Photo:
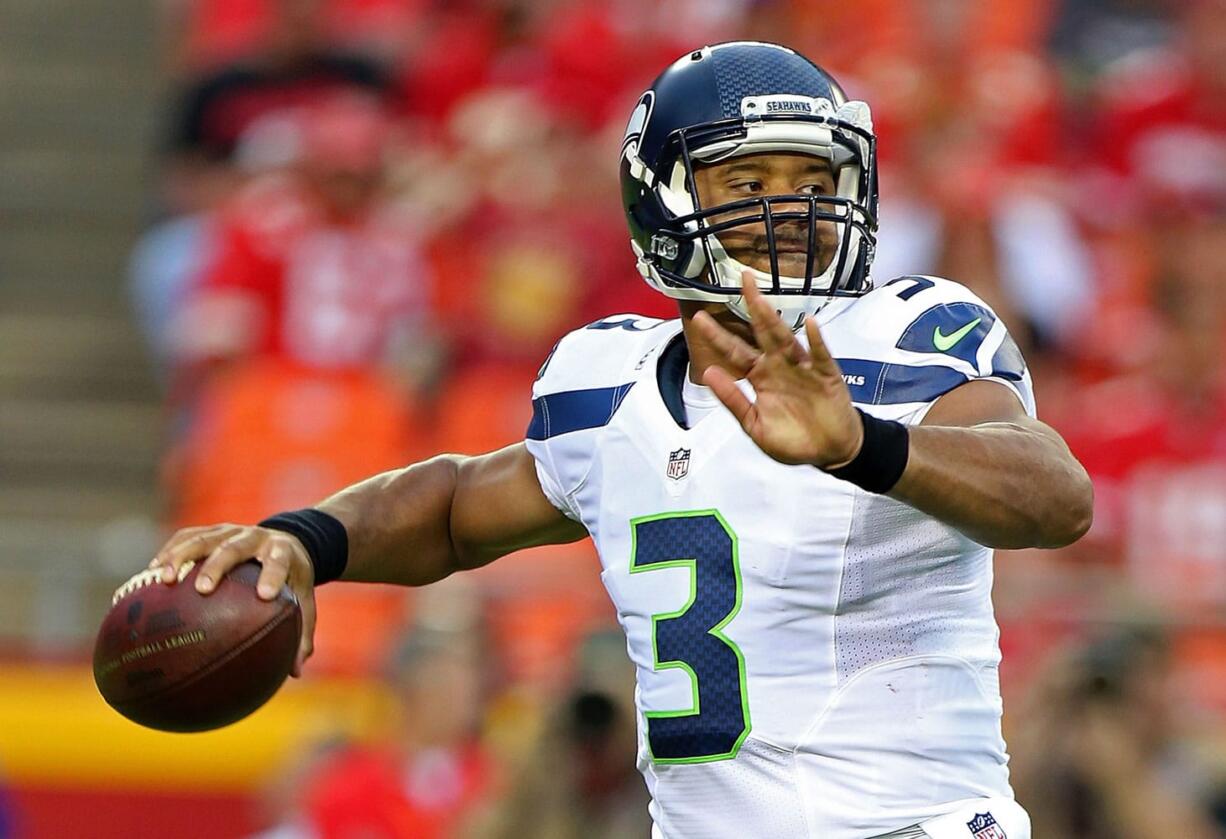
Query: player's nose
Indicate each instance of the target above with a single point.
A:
(789, 213)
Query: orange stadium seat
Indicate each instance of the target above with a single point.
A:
(271, 436)
(540, 606)
(484, 408)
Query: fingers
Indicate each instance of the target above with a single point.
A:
(737, 355)
(274, 557)
(725, 389)
(231, 552)
(283, 561)
(306, 601)
(770, 331)
(190, 545)
(822, 359)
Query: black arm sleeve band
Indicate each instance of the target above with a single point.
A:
(324, 538)
(882, 458)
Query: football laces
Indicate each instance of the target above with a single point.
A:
(147, 578)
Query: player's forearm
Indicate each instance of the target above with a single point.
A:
(398, 523)
(1005, 485)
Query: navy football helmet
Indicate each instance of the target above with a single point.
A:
(735, 99)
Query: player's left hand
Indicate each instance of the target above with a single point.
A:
(802, 413)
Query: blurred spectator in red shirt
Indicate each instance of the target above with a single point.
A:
(540, 247)
(295, 66)
(599, 56)
(1159, 124)
(455, 51)
(1153, 436)
(974, 188)
(427, 778)
(314, 265)
(581, 58)
(210, 33)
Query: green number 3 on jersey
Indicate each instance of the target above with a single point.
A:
(691, 639)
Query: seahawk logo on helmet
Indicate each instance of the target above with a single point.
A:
(736, 99)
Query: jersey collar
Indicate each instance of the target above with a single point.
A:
(671, 370)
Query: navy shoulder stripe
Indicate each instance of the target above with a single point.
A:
(1008, 362)
(574, 410)
(879, 383)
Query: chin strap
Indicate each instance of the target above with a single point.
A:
(791, 310)
(794, 318)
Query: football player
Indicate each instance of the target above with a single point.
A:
(795, 487)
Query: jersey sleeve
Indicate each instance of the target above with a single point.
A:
(941, 335)
(579, 388)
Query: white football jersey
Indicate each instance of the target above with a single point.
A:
(813, 660)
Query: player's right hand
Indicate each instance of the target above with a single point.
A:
(220, 547)
(802, 411)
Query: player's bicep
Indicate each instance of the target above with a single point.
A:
(499, 507)
(976, 402)
(984, 401)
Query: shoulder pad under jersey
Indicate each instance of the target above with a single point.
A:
(579, 388)
(601, 354)
(924, 321)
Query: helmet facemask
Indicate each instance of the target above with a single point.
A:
(692, 261)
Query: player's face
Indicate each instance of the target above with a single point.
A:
(345, 194)
(759, 175)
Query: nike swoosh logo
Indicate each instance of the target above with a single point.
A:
(946, 342)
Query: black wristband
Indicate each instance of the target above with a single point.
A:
(882, 457)
(325, 540)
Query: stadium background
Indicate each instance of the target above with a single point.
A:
(251, 250)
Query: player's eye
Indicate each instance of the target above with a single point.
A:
(747, 187)
(813, 189)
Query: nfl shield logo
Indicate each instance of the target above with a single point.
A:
(984, 826)
(678, 464)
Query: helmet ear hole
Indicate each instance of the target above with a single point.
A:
(697, 262)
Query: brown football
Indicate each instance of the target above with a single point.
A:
(170, 658)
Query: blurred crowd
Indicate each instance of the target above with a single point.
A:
(374, 217)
